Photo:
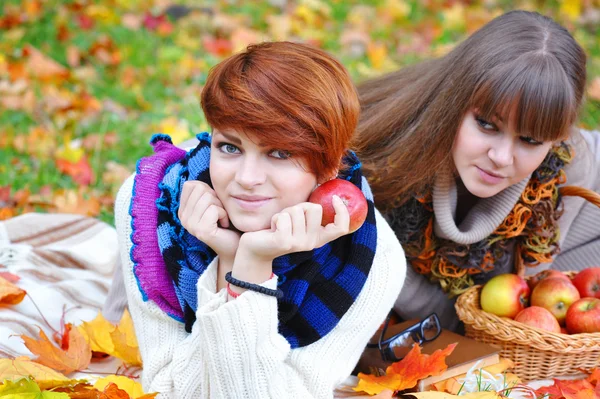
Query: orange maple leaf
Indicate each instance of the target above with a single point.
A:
(76, 357)
(10, 294)
(594, 377)
(407, 372)
(80, 171)
(577, 389)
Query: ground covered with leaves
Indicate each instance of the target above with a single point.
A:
(85, 83)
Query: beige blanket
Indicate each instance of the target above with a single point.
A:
(64, 262)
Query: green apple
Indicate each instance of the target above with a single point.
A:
(505, 295)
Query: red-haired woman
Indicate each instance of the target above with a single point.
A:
(234, 287)
(465, 155)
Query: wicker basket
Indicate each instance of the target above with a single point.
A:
(538, 354)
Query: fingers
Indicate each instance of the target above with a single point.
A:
(341, 221)
(196, 198)
(342, 216)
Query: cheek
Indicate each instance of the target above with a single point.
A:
(531, 160)
(218, 176)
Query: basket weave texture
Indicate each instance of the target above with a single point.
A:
(538, 354)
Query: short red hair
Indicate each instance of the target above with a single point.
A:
(288, 96)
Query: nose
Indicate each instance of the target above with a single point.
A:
(251, 172)
(502, 152)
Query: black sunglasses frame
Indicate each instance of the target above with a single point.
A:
(416, 332)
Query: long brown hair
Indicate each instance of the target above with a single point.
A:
(288, 96)
(520, 65)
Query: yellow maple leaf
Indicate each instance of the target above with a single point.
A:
(177, 129)
(118, 341)
(71, 152)
(125, 342)
(12, 369)
(133, 388)
(97, 332)
(571, 8)
(377, 54)
(455, 17)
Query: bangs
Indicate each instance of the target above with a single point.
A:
(532, 94)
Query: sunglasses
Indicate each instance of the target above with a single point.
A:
(397, 346)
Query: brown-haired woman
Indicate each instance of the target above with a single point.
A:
(234, 287)
(465, 153)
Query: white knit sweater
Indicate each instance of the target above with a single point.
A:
(235, 350)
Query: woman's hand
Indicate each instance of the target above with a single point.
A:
(294, 229)
(202, 214)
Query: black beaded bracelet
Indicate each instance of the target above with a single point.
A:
(253, 287)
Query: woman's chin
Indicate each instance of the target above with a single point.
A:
(249, 226)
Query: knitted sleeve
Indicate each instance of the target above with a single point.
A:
(235, 350)
(580, 235)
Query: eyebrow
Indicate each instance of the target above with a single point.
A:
(234, 140)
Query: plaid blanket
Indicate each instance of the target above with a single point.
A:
(65, 262)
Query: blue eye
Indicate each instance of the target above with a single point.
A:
(280, 154)
(228, 148)
(485, 124)
(530, 141)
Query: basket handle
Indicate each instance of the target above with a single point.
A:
(565, 191)
(574, 191)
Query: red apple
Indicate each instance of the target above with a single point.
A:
(556, 295)
(504, 295)
(583, 316)
(587, 282)
(539, 317)
(563, 330)
(351, 195)
(543, 275)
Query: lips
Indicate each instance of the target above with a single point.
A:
(250, 202)
(490, 177)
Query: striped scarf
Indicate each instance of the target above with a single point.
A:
(319, 286)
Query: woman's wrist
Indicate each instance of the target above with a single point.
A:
(249, 268)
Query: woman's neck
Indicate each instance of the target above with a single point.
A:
(465, 201)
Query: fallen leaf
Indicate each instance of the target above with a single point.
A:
(407, 372)
(10, 294)
(80, 171)
(217, 46)
(76, 358)
(116, 340)
(97, 333)
(577, 389)
(594, 89)
(133, 388)
(125, 342)
(13, 278)
(178, 129)
(70, 201)
(27, 389)
(594, 377)
(12, 369)
(85, 22)
(43, 67)
(570, 8)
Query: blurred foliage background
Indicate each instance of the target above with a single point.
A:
(85, 83)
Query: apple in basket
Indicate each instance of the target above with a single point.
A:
(539, 317)
(504, 295)
(587, 282)
(556, 295)
(535, 279)
(583, 316)
(351, 196)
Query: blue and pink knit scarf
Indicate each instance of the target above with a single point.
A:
(319, 286)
